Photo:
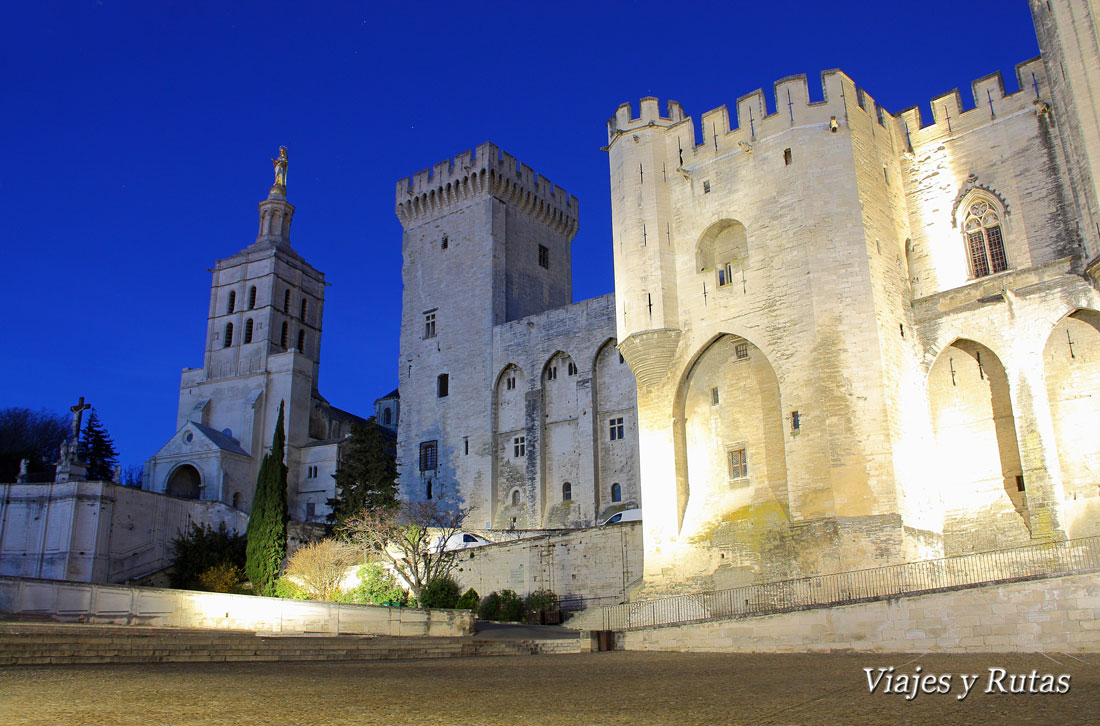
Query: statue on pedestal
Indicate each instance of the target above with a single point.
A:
(280, 168)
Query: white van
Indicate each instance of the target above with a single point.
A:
(627, 515)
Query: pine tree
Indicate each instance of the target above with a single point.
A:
(266, 532)
(367, 475)
(97, 450)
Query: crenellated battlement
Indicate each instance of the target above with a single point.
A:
(751, 119)
(990, 103)
(485, 170)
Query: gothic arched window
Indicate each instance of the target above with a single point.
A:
(228, 335)
(232, 302)
(248, 330)
(252, 297)
(616, 493)
(984, 241)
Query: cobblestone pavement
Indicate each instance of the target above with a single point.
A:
(597, 688)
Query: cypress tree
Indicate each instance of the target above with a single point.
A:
(266, 532)
(367, 476)
(97, 450)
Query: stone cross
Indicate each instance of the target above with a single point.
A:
(78, 413)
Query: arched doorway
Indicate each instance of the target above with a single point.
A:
(184, 482)
(977, 457)
(1071, 366)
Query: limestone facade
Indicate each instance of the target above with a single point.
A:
(514, 400)
(860, 337)
(263, 348)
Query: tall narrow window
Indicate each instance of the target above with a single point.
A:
(301, 341)
(429, 451)
(739, 464)
(616, 492)
(510, 383)
(552, 373)
(305, 309)
(228, 335)
(387, 417)
(284, 337)
(515, 498)
(248, 331)
(985, 243)
(286, 302)
(544, 256)
(725, 274)
(572, 368)
(232, 302)
(252, 297)
(566, 492)
(714, 396)
(519, 446)
(444, 243)
(428, 491)
(787, 157)
(429, 325)
(442, 385)
(616, 428)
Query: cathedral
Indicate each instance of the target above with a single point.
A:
(840, 337)
(263, 349)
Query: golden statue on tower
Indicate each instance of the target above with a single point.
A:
(280, 168)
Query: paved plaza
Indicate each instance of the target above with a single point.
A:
(597, 688)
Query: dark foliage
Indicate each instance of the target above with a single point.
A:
(442, 592)
(505, 605)
(469, 600)
(97, 450)
(201, 548)
(32, 435)
(267, 523)
(367, 475)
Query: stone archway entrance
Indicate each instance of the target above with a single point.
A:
(977, 456)
(184, 482)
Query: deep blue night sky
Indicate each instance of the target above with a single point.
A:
(136, 142)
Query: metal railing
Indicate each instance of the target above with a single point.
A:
(1038, 560)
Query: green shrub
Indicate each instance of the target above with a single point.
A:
(511, 606)
(201, 548)
(542, 600)
(377, 586)
(469, 600)
(286, 588)
(223, 577)
(441, 592)
(489, 609)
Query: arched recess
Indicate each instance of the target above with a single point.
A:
(730, 453)
(977, 457)
(616, 396)
(560, 448)
(184, 482)
(1071, 366)
(723, 248)
(509, 424)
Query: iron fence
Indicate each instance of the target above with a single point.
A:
(1037, 560)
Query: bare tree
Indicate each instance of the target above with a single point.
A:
(411, 538)
(320, 566)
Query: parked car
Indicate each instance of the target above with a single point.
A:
(461, 541)
(627, 515)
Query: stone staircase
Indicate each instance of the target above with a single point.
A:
(23, 644)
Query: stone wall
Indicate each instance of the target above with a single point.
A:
(82, 602)
(96, 531)
(1061, 613)
(587, 567)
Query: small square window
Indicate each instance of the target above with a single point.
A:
(519, 446)
(544, 256)
(616, 428)
(741, 350)
(429, 325)
(739, 464)
(429, 452)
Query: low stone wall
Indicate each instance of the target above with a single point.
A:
(585, 567)
(83, 602)
(1060, 613)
